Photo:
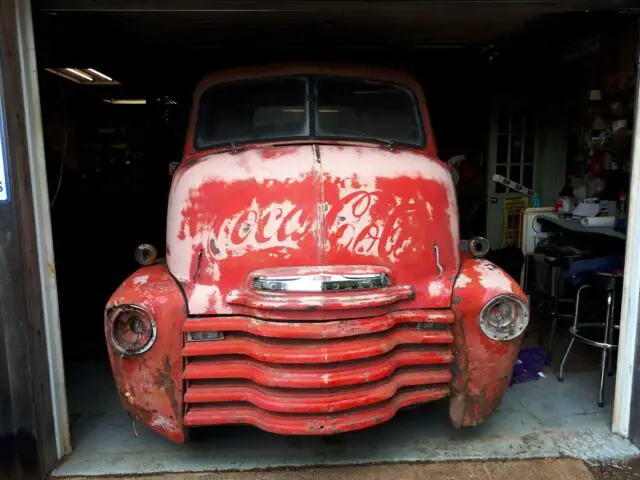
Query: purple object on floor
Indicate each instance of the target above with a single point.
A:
(529, 364)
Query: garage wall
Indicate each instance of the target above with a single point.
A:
(552, 153)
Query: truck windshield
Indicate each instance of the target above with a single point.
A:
(282, 108)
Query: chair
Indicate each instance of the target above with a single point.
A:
(611, 284)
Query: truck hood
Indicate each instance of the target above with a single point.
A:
(312, 207)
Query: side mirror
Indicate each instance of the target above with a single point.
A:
(146, 254)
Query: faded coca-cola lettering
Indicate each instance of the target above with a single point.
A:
(367, 223)
(375, 223)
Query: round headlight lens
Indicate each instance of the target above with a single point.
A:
(131, 330)
(504, 318)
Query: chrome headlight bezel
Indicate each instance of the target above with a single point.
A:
(511, 330)
(151, 329)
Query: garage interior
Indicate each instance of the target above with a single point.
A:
(111, 141)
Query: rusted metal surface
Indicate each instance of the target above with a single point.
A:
(306, 353)
(150, 385)
(483, 367)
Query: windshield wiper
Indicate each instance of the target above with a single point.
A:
(389, 143)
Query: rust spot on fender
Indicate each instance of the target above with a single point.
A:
(456, 300)
(164, 381)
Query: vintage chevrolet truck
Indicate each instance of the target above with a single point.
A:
(313, 281)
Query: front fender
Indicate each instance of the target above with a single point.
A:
(483, 367)
(150, 384)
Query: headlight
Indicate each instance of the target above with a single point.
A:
(504, 318)
(131, 330)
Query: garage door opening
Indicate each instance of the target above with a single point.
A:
(524, 99)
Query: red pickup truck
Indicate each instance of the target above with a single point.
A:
(313, 281)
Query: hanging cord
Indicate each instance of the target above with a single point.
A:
(63, 152)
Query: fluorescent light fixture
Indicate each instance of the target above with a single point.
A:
(83, 76)
(126, 101)
(78, 73)
(100, 74)
(301, 110)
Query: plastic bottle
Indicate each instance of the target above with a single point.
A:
(622, 205)
(536, 201)
(621, 220)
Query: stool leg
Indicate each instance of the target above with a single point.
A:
(525, 274)
(603, 366)
(555, 276)
(564, 359)
(610, 366)
(605, 351)
(576, 315)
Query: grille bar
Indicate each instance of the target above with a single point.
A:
(315, 376)
(319, 330)
(314, 401)
(310, 424)
(327, 351)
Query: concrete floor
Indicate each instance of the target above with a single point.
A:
(562, 469)
(537, 420)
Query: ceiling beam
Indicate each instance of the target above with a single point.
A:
(310, 6)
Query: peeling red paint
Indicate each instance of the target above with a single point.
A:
(292, 216)
(150, 385)
(483, 367)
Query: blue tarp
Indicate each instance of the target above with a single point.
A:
(580, 270)
(529, 364)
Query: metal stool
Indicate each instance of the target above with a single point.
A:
(558, 264)
(609, 282)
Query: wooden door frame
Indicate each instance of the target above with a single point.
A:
(35, 429)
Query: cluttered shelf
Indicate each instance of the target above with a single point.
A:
(533, 230)
(598, 225)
